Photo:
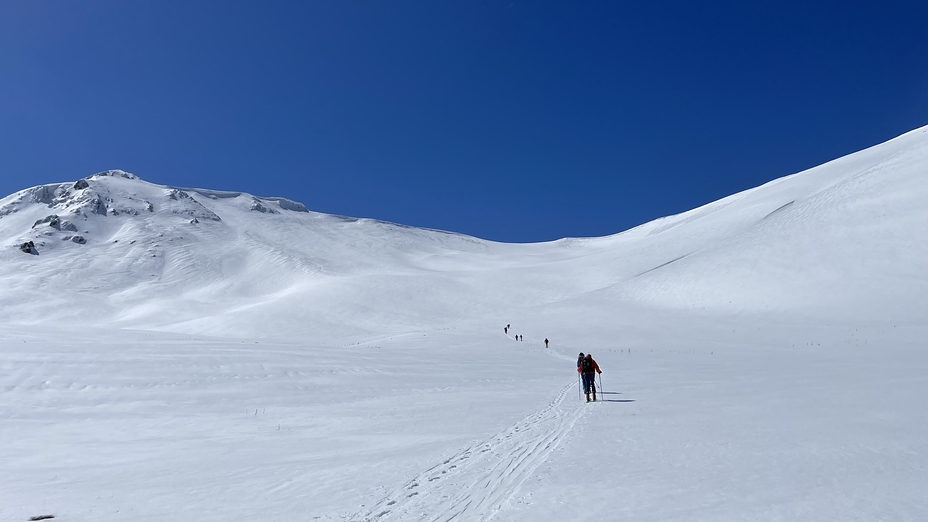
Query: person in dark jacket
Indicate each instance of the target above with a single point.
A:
(546, 343)
(588, 369)
(579, 360)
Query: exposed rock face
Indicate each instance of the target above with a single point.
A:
(55, 222)
(29, 248)
(178, 195)
(81, 184)
(115, 173)
(52, 221)
(189, 206)
(79, 240)
(257, 206)
(44, 194)
(96, 206)
(61, 198)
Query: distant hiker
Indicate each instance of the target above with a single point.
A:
(520, 338)
(546, 343)
(588, 369)
(506, 329)
(579, 360)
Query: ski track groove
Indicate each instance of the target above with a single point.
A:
(477, 482)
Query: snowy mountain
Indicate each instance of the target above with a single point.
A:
(846, 237)
(764, 353)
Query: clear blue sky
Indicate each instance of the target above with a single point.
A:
(512, 120)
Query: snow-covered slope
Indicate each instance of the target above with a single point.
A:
(846, 237)
(757, 349)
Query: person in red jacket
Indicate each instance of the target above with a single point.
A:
(588, 369)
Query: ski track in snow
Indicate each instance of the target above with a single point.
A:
(476, 483)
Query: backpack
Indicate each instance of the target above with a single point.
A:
(587, 365)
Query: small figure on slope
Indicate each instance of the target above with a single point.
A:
(588, 369)
(546, 343)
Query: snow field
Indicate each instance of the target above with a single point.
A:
(212, 355)
(164, 427)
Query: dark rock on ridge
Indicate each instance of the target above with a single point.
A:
(52, 221)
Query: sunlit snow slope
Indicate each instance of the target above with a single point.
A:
(849, 236)
(173, 354)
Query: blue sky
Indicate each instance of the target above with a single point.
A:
(514, 121)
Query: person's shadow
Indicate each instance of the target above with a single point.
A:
(614, 400)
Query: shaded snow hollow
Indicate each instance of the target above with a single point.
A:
(174, 353)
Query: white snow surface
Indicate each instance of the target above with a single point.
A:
(176, 354)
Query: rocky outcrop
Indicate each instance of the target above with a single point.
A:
(81, 184)
(115, 173)
(55, 222)
(46, 194)
(64, 198)
(257, 206)
(79, 240)
(52, 221)
(96, 206)
(178, 195)
(29, 248)
(187, 206)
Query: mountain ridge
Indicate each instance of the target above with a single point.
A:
(160, 257)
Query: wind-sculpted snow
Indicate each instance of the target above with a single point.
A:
(283, 203)
(191, 354)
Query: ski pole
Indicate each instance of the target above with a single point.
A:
(579, 387)
(602, 390)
